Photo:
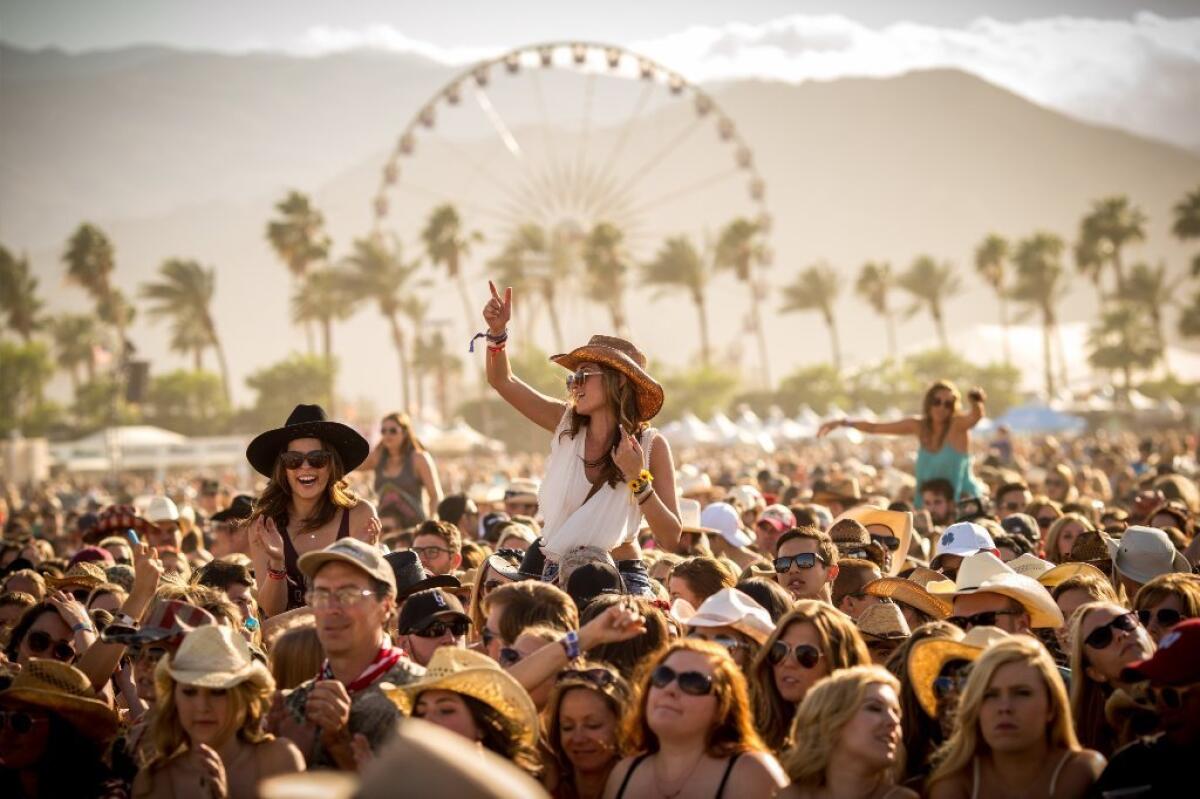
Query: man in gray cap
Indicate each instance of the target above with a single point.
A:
(1142, 554)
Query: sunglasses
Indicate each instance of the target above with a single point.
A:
(805, 560)
(806, 655)
(317, 458)
(579, 376)
(1013, 506)
(1166, 617)
(601, 678)
(18, 721)
(1169, 695)
(491, 585)
(943, 403)
(457, 628)
(950, 684)
(728, 641)
(693, 683)
(1046, 521)
(40, 641)
(389, 431)
(509, 657)
(985, 619)
(1103, 635)
(889, 541)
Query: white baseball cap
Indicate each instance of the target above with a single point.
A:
(724, 519)
(162, 509)
(963, 539)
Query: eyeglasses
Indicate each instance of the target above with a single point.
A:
(1103, 635)
(317, 458)
(889, 541)
(1171, 696)
(806, 655)
(805, 560)
(579, 376)
(430, 551)
(342, 598)
(40, 641)
(19, 721)
(727, 641)
(601, 678)
(458, 628)
(693, 683)
(389, 431)
(509, 657)
(1166, 617)
(985, 619)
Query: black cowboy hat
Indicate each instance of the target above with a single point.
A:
(411, 576)
(307, 421)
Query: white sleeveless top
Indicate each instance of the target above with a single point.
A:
(610, 518)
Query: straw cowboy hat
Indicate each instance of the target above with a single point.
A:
(929, 656)
(1030, 565)
(86, 574)
(899, 589)
(689, 518)
(883, 621)
(899, 524)
(307, 421)
(64, 691)
(621, 356)
(853, 541)
(1065, 571)
(728, 607)
(842, 490)
(1093, 546)
(985, 573)
(475, 675)
(213, 656)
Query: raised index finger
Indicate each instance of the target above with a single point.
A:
(492, 288)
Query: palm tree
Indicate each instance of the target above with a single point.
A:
(817, 289)
(18, 295)
(991, 259)
(90, 263)
(184, 295)
(1189, 320)
(447, 244)
(297, 234)
(931, 283)
(1187, 223)
(740, 248)
(875, 282)
(1123, 340)
(680, 266)
(1112, 223)
(432, 357)
(606, 265)
(1150, 291)
(380, 274)
(74, 336)
(323, 297)
(1040, 283)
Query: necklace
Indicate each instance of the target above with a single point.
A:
(687, 777)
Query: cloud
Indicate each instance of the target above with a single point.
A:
(1141, 74)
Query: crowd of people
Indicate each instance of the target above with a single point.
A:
(1012, 620)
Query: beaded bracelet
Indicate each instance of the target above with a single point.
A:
(276, 574)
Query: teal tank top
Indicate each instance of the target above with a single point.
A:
(948, 464)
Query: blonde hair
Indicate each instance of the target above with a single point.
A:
(1087, 695)
(1055, 531)
(296, 655)
(827, 708)
(966, 741)
(1184, 586)
(248, 705)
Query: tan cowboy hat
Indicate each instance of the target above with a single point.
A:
(985, 573)
(64, 691)
(898, 589)
(1030, 565)
(898, 523)
(476, 675)
(840, 489)
(212, 656)
(692, 483)
(1065, 571)
(728, 607)
(883, 621)
(84, 573)
(928, 657)
(621, 356)
(689, 517)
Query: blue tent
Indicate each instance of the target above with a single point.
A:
(1035, 418)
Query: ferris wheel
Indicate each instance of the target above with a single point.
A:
(568, 135)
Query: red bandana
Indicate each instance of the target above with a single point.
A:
(387, 657)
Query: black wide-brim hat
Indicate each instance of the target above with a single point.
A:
(307, 421)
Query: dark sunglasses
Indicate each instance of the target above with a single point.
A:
(580, 375)
(317, 458)
(985, 619)
(944, 403)
(690, 682)
(889, 541)
(491, 585)
(805, 560)
(1014, 506)
(728, 641)
(806, 655)
(949, 684)
(509, 657)
(389, 431)
(1166, 617)
(1102, 636)
(457, 628)
(1046, 521)
(40, 641)
(601, 678)
(18, 721)
(1171, 696)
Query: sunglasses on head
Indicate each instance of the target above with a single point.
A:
(806, 655)
(1166, 617)
(601, 678)
(985, 619)
(457, 628)
(805, 560)
(580, 375)
(690, 682)
(18, 721)
(317, 458)
(40, 641)
(728, 641)
(1103, 635)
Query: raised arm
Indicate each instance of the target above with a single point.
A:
(901, 427)
(372, 461)
(535, 406)
(978, 410)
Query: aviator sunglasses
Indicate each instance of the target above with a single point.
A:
(806, 655)
(579, 376)
(690, 682)
(317, 458)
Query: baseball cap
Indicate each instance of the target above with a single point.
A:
(1023, 525)
(162, 509)
(745, 497)
(963, 539)
(593, 579)
(354, 552)
(1175, 662)
(779, 517)
(487, 525)
(425, 607)
(168, 623)
(724, 518)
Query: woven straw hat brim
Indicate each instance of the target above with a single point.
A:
(925, 662)
(491, 686)
(265, 448)
(650, 396)
(86, 580)
(909, 593)
(91, 717)
(255, 672)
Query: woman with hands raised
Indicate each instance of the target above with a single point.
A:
(607, 467)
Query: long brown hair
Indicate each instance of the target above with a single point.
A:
(732, 731)
(621, 398)
(616, 696)
(273, 502)
(927, 416)
(411, 442)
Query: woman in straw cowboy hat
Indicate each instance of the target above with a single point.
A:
(212, 698)
(607, 466)
(468, 693)
(54, 730)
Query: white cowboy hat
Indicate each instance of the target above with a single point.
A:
(728, 607)
(689, 517)
(985, 573)
(1030, 565)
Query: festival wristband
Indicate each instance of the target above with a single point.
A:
(82, 627)
(570, 644)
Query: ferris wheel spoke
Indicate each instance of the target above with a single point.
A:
(677, 194)
(656, 160)
(511, 144)
(479, 168)
(627, 128)
(443, 197)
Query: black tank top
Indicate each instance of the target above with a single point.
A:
(296, 586)
(633, 767)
